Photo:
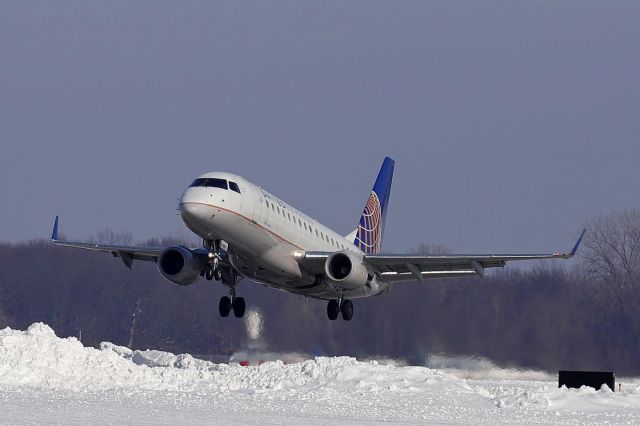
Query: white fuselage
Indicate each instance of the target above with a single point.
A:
(263, 233)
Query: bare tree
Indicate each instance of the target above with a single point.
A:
(137, 310)
(109, 236)
(612, 247)
(429, 248)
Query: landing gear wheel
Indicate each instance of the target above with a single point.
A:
(217, 274)
(225, 306)
(209, 274)
(238, 307)
(333, 309)
(347, 310)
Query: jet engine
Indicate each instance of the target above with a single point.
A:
(179, 265)
(347, 269)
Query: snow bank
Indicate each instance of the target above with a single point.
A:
(480, 368)
(37, 357)
(36, 361)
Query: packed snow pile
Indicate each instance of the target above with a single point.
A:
(37, 357)
(66, 377)
(482, 368)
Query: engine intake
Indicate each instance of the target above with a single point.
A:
(347, 269)
(179, 265)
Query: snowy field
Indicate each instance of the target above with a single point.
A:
(46, 379)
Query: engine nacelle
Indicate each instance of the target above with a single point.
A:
(347, 269)
(179, 265)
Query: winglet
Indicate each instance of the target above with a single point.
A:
(575, 248)
(54, 234)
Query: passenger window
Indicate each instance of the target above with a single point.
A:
(278, 208)
(305, 226)
(299, 222)
(234, 187)
(317, 232)
(289, 214)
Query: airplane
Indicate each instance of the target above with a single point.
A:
(248, 232)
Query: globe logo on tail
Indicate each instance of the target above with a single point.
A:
(369, 235)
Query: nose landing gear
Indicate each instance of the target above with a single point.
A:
(217, 249)
(211, 274)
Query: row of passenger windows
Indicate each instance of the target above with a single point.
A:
(216, 183)
(304, 224)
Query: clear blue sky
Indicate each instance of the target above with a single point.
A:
(510, 122)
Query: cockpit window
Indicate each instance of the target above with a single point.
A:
(234, 187)
(210, 183)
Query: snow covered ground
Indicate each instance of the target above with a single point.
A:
(46, 379)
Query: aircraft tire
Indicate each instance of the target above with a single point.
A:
(238, 307)
(333, 309)
(209, 274)
(347, 310)
(225, 306)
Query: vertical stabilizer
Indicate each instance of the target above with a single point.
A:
(368, 236)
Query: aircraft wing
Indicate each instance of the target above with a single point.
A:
(408, 267)
(127, 253)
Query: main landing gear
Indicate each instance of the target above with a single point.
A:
(231, 303)
(334, 307)
(227, 275)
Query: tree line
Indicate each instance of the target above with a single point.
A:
(548, 316)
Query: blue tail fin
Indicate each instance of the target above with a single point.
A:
(368, 236)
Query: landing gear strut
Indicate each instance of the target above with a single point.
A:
(227, 275)
(231, 302)
(344, 306)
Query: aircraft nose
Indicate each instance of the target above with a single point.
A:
(190, 211)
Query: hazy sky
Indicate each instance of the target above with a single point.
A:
(510, 122)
